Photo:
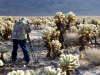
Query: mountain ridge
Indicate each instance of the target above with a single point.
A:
(48, 7)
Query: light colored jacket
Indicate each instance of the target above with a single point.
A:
(20, 30)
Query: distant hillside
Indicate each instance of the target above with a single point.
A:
(49, 7)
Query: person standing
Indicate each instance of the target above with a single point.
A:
(19, 38)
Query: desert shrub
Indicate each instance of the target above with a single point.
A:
(93, 55)
(71, 39)
(73, 29)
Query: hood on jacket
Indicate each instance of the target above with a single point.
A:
(23, 20)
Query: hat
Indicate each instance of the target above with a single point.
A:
(23, 19)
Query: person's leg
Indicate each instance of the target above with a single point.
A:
(23, 45)
(15, 48)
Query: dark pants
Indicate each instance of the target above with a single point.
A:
(23, 45)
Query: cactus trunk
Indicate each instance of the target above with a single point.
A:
(69, 71)
(2, 58)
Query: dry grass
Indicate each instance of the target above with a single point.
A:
(73, 29)
(93, 55)
(71, 39)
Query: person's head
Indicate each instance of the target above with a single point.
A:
(23, 20)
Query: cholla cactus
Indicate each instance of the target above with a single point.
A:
(9, 23)
(86, 29)
(85, 32)
(21, 72)
(3, 50)
(51, 24)
(48, 31)
(63, 24)
(55, 35)
(6, 29)
(49, 34)
(56, 44)
(67, 62)
(44, 20)
(70, 17)
(59, 15)
(1, 63)
(52, 71)
(18, 72)
(93, 21)
(27, 72)
(2, 28)
(37, 21)
(32, 72)
(12, 73)
(98, 31)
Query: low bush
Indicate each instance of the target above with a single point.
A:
(93, 55)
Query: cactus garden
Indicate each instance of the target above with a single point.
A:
(63, 44)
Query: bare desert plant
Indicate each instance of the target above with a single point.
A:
(93, 55)
(71, 39)
(73, 29)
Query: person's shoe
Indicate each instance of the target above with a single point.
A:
(13, 61)
(13, 64)
(28, 64)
